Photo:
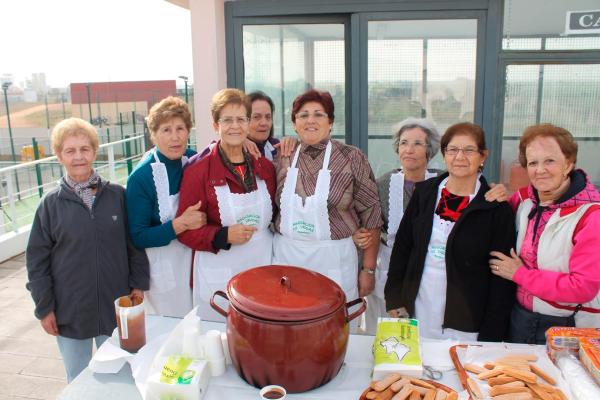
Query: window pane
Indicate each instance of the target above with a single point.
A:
(525, 28)
(564, 95)
(416, 69)
(285, 60)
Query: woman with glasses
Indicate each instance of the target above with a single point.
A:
(439, 269)
(236, 191)
(325, 192)
(152, 201)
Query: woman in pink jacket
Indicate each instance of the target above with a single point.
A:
(557, 268)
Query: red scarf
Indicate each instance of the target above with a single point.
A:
(451, 206)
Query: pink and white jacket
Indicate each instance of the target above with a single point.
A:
(559, 245)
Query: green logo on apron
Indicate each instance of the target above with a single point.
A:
(303, 227)
(249, 220)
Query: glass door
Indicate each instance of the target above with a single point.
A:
(284, 60)
(419, 68)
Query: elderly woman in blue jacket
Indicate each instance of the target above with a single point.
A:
(152, 200)
(79, 256)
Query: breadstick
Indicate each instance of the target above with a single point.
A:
(404, 393)
(526, 357)
(514, 396)
(421, 390)
(525, 376)
(414, 395)
(430, 395)
(474, 368)
(387, 394)
(498, 390)
(397, 386)
(474, 388)
(452, 396)
(539, 372)
(372, 395)
(441, 395)
(539, 392)
(421, 383)
(501, 380)
(489, 365)
(560, 394)
(383, 384)
(490, 374)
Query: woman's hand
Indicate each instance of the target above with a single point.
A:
(49, 324)
(362, 238)
(505, 266)
(366, 283)
(192, 218)
(252, 148)
(286, 146)
(136, 293)
(239, 234)
(496, 193)
(399, 313)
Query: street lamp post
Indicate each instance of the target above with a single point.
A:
(89, 99)
(185, 79)
(5, 86)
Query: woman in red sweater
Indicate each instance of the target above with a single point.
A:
(236, 191)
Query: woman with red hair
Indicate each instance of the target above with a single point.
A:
(325, 192)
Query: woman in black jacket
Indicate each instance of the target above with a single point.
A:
(439, 270)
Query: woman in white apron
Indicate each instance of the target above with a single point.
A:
(438, 270)
(235, 190)
(325, 192)
(152, 202)
(416, 141)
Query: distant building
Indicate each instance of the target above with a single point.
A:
(109, 99)
(37, 83)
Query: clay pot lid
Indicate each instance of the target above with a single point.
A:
(284, 293)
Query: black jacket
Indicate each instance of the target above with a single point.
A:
(476, 300)
(79, 260)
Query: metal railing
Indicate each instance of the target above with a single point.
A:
(115, 161)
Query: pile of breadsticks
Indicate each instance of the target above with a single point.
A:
(397, 387)
(513, 377)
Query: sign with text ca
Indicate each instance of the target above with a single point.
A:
(582, 22)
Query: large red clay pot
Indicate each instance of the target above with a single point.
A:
(286, 326)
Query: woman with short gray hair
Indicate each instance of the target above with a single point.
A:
(416, 141)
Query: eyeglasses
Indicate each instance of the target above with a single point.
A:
(259, 117)
(228, 121)
(467, 151)
(318, 115)
(416, 143)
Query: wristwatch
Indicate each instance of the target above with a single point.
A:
(370, 271)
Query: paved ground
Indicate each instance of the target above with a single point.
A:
(30, 363)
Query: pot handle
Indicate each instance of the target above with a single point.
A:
(215, 306)
(357, 312)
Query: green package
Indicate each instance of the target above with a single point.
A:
(397, 342)
(174, 368)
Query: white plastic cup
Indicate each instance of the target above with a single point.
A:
(213, 347)
(273, 390)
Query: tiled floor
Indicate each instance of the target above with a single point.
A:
(30, 364)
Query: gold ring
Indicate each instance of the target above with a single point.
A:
(496, 268)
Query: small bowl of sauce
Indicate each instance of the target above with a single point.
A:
(272, 392)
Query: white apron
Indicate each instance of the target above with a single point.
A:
(376, 300)
(305, 239)
(212, 272)
(430, 303)
(170, 266)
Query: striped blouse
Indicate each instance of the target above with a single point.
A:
(353, 200)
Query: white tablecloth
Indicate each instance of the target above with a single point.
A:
(352, 379)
